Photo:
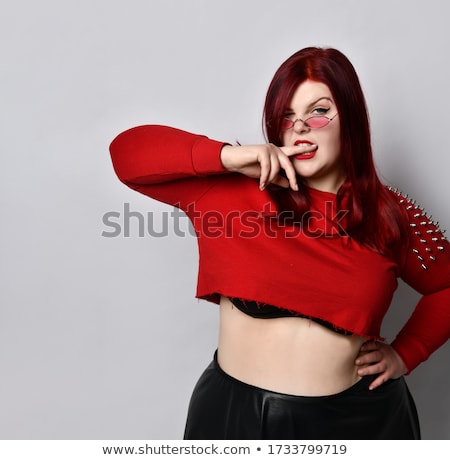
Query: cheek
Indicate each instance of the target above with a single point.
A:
(334, 143)
(284, 139)
(335, 147)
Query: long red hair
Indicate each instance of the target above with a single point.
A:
(374, 218)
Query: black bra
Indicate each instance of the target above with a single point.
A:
(265, 310)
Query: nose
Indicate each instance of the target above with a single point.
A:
(300, 126)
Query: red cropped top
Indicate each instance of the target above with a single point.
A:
(321, 274)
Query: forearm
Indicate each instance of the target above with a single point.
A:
(154, 154)
(427, 329)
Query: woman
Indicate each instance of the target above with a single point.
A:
(301, 245)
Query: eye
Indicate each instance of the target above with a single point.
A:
(289, 115)
(320, 111)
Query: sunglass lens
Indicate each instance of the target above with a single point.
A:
(317, 122)
(286, 124)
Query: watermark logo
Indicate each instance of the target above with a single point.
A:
(217, 224)
(155, 224)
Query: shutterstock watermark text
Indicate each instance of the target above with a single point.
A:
(218, 224)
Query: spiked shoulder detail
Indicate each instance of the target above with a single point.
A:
(428, 239)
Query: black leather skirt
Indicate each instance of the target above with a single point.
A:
(223, 407)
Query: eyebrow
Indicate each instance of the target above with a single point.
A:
(289, 110)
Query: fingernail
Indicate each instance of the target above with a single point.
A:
(262, 186)
(358, 361)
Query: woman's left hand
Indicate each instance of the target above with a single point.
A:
(379, 358)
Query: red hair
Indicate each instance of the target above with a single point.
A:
(374, 217)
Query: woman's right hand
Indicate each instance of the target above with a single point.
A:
(264, 162)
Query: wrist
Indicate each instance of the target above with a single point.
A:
(226, 157)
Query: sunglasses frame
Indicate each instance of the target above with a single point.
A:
(305, 122)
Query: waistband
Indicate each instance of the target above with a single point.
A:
(223, 407)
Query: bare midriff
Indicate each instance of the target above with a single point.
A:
(288, 355)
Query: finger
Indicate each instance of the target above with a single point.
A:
(291, 175)
(383, 378)
(274, 167)
(284, 162)
(264, 163)
(373, 369)
(297, 149)
(369, 358)
(370, 346)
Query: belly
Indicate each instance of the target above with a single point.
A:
(288, 355)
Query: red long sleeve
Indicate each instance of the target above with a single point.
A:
(146, 156)
(427, 270)
(427, 329)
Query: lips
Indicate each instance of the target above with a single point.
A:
(306, 155)
(302, 142)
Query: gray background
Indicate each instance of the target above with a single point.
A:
(100, 337)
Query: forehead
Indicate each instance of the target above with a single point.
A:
(310, 92)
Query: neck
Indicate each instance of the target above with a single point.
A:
(330, 186)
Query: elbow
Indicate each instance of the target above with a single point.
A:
(123, 153)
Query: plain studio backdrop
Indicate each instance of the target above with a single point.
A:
(100, 335)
